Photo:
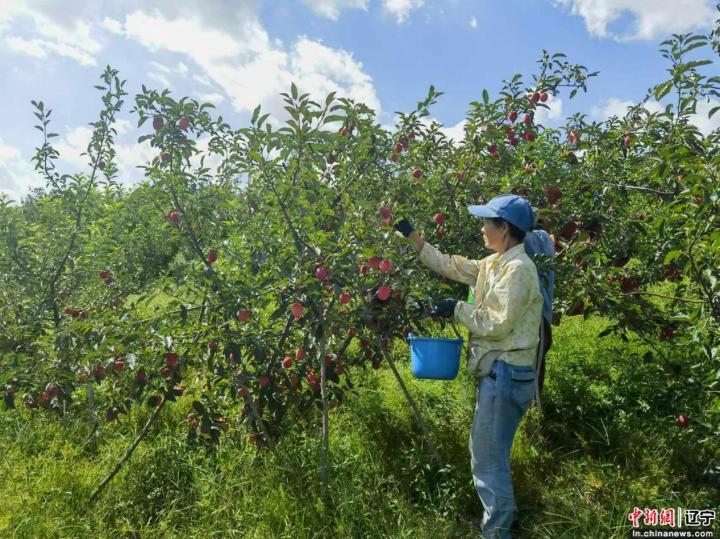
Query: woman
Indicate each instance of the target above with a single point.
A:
(503, 327)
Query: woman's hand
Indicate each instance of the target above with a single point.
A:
(406, 229)
(445, 308)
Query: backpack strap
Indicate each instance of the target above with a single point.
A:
(539, 359)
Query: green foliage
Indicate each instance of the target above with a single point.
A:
(113, 301)
(577, 474)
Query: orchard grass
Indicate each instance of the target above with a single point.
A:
(607, 442)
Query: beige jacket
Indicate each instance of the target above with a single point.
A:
(506, 316)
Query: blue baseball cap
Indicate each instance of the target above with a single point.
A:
(513, 208)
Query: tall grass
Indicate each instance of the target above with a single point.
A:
(607, 442)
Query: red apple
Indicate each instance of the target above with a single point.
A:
(243, 315)
(165, 156)
(328, 360)
(287, 362)
(173, 216)
(573, 137)
(345, 298)
(512, 116)
(383, 292)
(667, 332)
(321, 273)
(544, 97)
(493, 150)
(385, 212)
(212, 345)
(212, 257)
(535, 97)
(385, 266)
(513, 142)
(527, 120)
(398, 148)
(528, 136)
(231, 359)
(179, 390)
(375, 364)
(158, 123)
(69, 311)
(439, 218)
(352, 331)
(101, 165)
(683, 421)
(242, 392)
(297, 310)
(166, 372)
(344, 132)
(140, 377)
(363, 269)
(553, 194)
(263, 381)
(99, 372)
(118, 366)
(104, 274)
(568, 229)
(184, 123)
(374, 262)
(628, 284)
(171, 359)
(417, 173)
(300, 354)
(441, 232)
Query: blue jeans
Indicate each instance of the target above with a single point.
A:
(502, 398)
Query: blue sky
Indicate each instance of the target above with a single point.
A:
(241, 53)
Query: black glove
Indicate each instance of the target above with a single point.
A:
(405, 227)
(444, 308)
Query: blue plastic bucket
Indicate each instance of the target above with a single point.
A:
(434, 359)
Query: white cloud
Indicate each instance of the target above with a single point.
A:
(58, 29)
(70, 147)
(331, 8)
(473, 22)
(248, 66)
(551, 116)
(619, 107)
(128, 157)
(183, 35)
(401, 9)
(652, 18)
(112, 25)
(17, 175)
(456, 132)
(614, 106)
(213, 98)
(320, 70)
(700, 118)
(31, 47)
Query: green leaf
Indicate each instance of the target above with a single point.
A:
(672, 255)
(486, 96)
(662, 90)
